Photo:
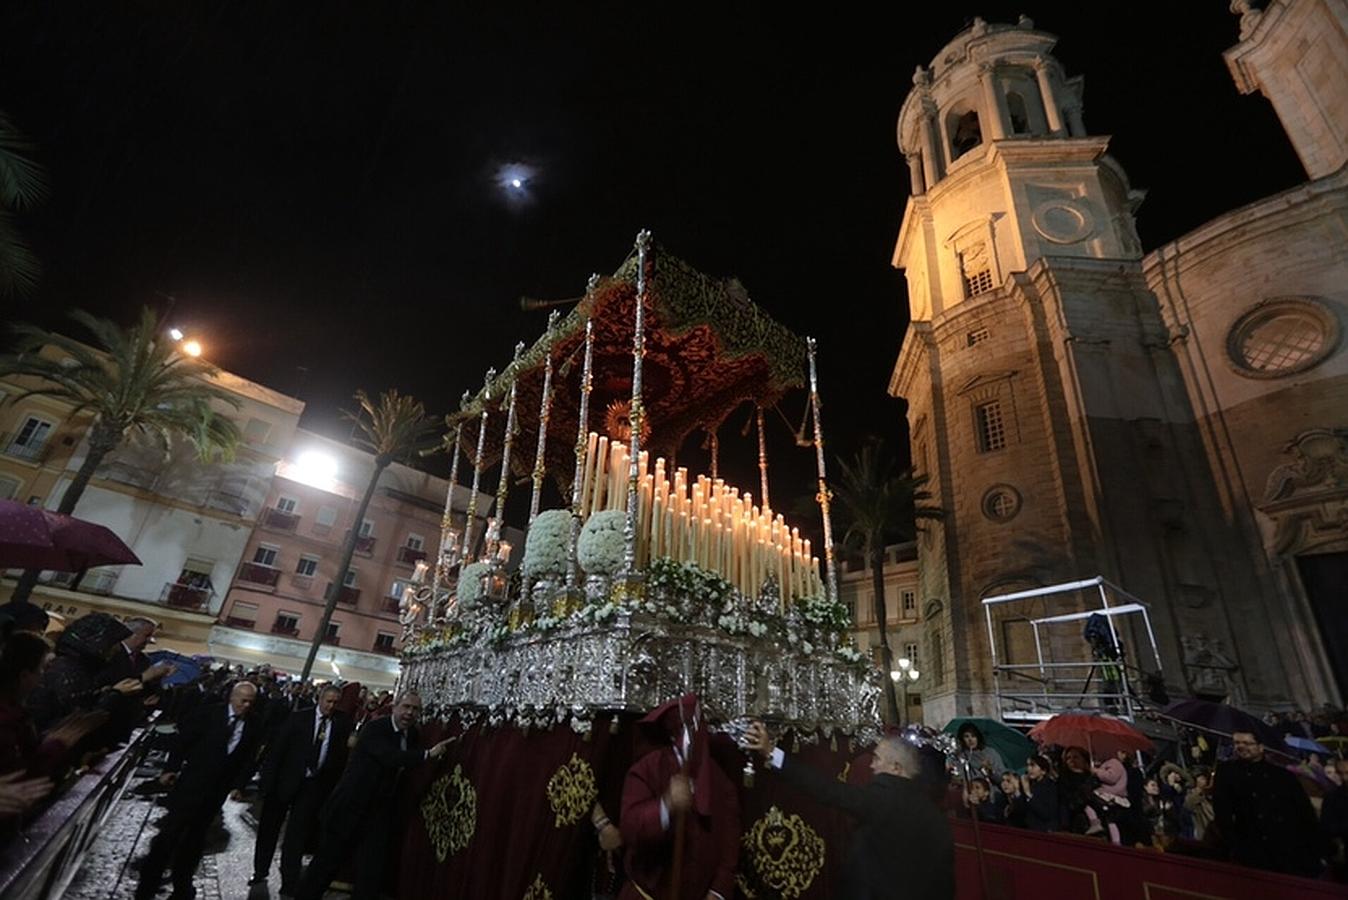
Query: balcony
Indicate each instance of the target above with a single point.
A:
(186, 596)
(332, 640)
(226, 501)
(256, 573)
(386, 649)
(95, 581)
(237, 622)
(124, 472)
(391, 605)
(280, 520)
(285, 628)
(365, 544)
(410, 556)
(346, 595)
(31, 451)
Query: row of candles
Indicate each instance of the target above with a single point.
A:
(702, 521)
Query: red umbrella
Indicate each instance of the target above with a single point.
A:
(35, 538)
(1103, 736)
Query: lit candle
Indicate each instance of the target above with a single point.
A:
(600, 475)
(583, 502)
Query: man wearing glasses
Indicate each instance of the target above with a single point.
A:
(1263, 815)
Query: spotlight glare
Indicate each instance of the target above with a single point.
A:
(192, 348)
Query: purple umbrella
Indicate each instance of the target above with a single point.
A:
(35, 538)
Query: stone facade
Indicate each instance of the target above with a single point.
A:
(903, 613)
(1060, 393)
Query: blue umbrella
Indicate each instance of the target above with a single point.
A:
(1306, 744)
(188, 668)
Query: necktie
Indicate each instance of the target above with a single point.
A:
(235, 733)
(316, 753)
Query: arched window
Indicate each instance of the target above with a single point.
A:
(1020, 119)
(965, 134)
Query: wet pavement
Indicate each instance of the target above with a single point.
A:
(224, 871)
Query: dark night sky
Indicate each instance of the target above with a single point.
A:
(313, 180)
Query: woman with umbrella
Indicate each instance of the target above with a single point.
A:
(975, 754)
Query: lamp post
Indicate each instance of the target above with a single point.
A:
(905, 673)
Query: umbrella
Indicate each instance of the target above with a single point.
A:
(1223, 720)
(188, 668)
(1013, 746)
(1102, 736)
(1305, 744)
(35, 538)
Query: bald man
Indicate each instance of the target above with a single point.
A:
(213, 759)
(902, 846)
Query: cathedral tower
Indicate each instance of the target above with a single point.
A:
(1044, 400)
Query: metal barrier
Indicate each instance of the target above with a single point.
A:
(39, 862)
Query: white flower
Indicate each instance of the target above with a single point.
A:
(547, 544)
(807, 648)
(602, 545)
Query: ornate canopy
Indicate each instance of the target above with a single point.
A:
(709, 349)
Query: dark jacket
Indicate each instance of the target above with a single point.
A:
(75, 678)
(1266, 819)
(286, 762)
(902, 845)
(1042, 809)
(364, 796)
(207, 771)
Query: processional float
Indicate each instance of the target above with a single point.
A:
(649, 582)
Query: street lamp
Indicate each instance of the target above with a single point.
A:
(905, 673)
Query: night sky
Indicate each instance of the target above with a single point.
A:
(313, 182)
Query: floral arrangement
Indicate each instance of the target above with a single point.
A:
(472, 584)
(826, 614)
(547, 544)
(602, 545)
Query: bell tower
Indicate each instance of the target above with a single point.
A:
(1045, 402)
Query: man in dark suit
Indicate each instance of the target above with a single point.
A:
(302, 764)
(902, 846)
(213, 759)
(359, 815)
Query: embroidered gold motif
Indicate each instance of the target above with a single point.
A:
(786, 853)
(538, 890)
(572, 791)
(450, 813)
(847, 770)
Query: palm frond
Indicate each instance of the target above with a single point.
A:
(19, 267)
(23, 183)
(395, 427)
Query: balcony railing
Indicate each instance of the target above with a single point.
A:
(286, 629)
(347, 595)
(410, 556)
(124, 472)
(97, 581)
(391, 605)
(332, 639)
(228, 502)
(31, 451)
(365, 544)
(279, 520)
(256, 573)
(185, 596)
(237, 622)
(386, 649)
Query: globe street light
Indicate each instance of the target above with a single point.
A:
(905, 673)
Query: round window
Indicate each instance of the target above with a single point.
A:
(1282, 336)
(1001, 503)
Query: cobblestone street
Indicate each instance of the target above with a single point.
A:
(224, 872)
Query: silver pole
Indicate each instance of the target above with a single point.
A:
(582, 438)
(544, 411)
(477, 467)
(445, 554)
(636, 415)
(763, 464)
(503, 485)
(824, 495)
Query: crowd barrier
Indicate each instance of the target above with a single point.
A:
(1026, 865)
(39, 861)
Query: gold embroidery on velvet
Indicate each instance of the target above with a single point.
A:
(847, 770)
(786, 853)
(449, 810)
(538, 890)
(572, 791)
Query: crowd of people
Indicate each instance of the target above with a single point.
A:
(320, 762)
(1237, 799)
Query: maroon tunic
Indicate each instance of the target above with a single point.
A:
(710, 842)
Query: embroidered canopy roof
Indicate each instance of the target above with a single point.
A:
(709, 349)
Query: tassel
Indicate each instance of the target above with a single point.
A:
(833, 743)
(749, 772)
(795, 742)
(613, 725)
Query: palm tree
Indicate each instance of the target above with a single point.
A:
(877, 503)
(134, 381)
(395, 429)
(23, 185)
